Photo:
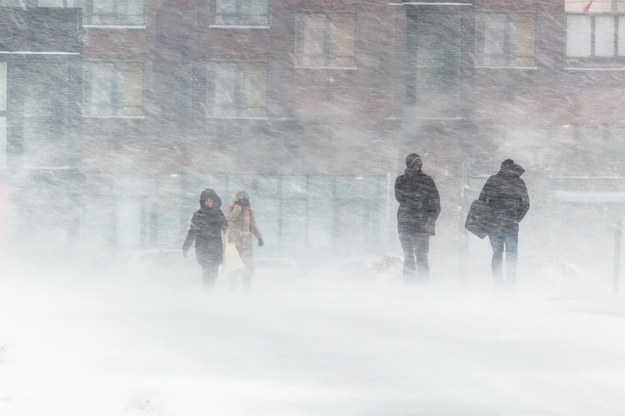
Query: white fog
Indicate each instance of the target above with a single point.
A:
(305, 137)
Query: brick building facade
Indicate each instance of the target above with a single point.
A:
(311, 104)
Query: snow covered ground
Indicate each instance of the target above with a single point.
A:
(112, 345)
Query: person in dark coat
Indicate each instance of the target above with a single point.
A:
(507, 195)
(419, 207)
(207, 225)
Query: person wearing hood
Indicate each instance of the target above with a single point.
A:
(242, 226)
(507, 196)
(419, 207)
(207, 225)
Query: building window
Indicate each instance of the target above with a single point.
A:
(435, 89)
(95, 12)
(13, 3)
(112, 12)
(237, 90)
(595, 32)
(325, 40)
(113, 89)
(240, 12)
(505, 40)
(44, 94)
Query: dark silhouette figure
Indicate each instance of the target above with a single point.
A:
(207, 225)
(506, 194)
(419, 207)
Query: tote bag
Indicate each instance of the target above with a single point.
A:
(480, 219)
(232, 260)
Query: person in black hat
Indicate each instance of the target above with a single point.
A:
(419, 207)
(206, 229)
(507, 195)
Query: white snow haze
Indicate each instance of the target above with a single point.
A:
(115, 115)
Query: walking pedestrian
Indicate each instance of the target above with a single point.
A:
(207, 225)
(242, 226)
(507, 196)
(419, 207)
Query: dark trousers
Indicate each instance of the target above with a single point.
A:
(504, 241)
(416, 249)
(209, 276)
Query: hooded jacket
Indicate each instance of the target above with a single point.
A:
(242, 223)
(507, 195)
(206, 229)
(419, 201)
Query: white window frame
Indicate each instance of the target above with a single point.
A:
(328, 53)
(88, 6)
(244, 18)
(508, 47)
(239, 106)
(594, 58)
(117, 110)
(66, 4)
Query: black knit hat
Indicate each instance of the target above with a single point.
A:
(413, 160)
(507, 162)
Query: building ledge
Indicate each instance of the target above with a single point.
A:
(430, 3)
(238, 27)
(114, 117)
(115, 27)
(37, 53)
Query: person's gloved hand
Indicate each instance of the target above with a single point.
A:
(260, 242)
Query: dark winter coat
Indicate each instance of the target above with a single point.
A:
(419, 203)
(507, 195)
(206, 229)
